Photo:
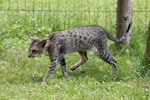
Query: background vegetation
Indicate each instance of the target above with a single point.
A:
(21, 77)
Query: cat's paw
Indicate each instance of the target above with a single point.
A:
(73, 68)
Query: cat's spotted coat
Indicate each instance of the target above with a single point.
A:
(80, 39)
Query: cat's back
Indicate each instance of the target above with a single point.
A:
(85, 29)
(80, 33)
(91, 31)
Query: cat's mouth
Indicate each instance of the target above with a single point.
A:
(30, 56)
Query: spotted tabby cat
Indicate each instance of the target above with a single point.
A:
(80, 39)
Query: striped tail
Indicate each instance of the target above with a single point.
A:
(122, 38)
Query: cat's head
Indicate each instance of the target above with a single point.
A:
(37, 46)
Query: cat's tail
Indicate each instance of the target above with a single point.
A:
(122, 38)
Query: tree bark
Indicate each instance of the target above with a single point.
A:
(148, 48)
(124, 17)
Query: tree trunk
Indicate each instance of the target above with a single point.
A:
(148, 48)
(124, 17)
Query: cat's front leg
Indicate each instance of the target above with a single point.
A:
(52, 67)
(63, 66)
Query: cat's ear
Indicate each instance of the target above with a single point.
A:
(30, 37)
(43, 42)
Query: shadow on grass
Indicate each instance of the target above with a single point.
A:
(84, 73)
(93, 73)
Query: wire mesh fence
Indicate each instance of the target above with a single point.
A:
(61, 14)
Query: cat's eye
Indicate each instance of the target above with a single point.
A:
(33, 51)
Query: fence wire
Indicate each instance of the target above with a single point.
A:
(62, 14)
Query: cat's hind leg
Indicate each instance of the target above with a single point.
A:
(84, 58)
(107, 57)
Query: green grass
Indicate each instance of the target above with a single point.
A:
(20, 77)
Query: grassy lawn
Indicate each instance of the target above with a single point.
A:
(21, 79)
(21, 76)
